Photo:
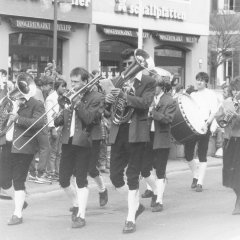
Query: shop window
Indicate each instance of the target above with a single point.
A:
(171, 59)
(110, 57)
(31, 52)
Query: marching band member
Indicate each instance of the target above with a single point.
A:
(76, 144)
(29, 110)
(231, 144)
(128, 140)
(161, 115)
(207, 103)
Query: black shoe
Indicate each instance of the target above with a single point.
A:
(5, 197)
(236, 210)
(199, 188)
(78, 222)
(103, 198)
(147, 194)
(194, 183)
(74, 213)
(154, 199)
(25, 205)
(129, 227)
(157, 208)
(140, 210)
(15, 220)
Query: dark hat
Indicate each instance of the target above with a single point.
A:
(47, 80)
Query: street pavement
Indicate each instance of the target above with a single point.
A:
(187, 214)
(175, 166)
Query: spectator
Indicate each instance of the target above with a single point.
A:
(54, 133)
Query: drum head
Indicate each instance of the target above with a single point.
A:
(191, 114)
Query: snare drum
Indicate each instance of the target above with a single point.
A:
(187, 122)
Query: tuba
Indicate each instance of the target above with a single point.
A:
(121, 112)
(25, 87)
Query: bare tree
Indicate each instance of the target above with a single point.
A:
(224, 38)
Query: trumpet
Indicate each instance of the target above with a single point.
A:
(66, 101)
(227, 118)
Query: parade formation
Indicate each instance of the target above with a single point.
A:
(71, 129)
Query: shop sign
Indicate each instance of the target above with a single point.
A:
(176, 37)
(40, 25)
(151, 10)
(80, 3)
(123, 32)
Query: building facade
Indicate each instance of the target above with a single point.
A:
(93, 33)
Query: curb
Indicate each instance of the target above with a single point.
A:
(55, 187)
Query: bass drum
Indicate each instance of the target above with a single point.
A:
(187, 122)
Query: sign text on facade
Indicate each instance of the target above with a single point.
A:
(151, 10)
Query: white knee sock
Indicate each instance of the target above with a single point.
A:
(72, 194)
(19, 198)
(202, 171)
(133, 204)
(160, 189)
(122, 189)
(193, 165)
(152, 183)
(99, 181)
(82, 194)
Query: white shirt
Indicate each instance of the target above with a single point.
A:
(72, 128)
(156, 101)
(9, 134)
(207, 102)
(52, 103)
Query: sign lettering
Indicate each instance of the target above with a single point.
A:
(47, 26)
(149, 11)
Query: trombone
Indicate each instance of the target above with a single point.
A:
(67, 100)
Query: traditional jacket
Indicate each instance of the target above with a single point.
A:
(88, 112)
(28, 113)
(162, 116)
(141, 101)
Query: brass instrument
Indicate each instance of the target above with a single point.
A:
(227, 118)
(121, 112)
(25, 87)
(66, 101)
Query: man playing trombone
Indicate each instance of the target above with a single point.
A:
(77, 121)
(26, 112)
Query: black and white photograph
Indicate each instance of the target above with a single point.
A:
(119, 119)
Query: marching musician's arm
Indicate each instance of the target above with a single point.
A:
(214, 110)
(145, 101)
(167, 116)
(91, 113)
(220, 113)
(38, 111)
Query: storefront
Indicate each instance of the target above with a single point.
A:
(175, 34)
(26, 32)
(92, 34)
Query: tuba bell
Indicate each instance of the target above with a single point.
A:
(25, 88)
(142, 60)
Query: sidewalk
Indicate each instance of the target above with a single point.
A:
(177, 165)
